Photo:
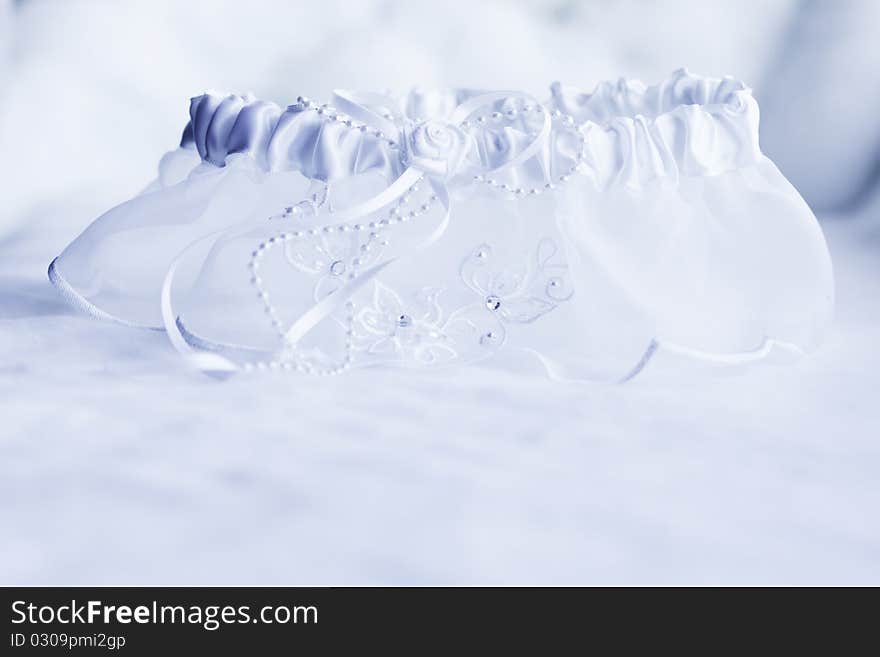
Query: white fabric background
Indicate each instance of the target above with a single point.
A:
(119, 466)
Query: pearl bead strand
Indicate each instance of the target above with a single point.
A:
(396, 215)
(331, 115)
(307, 368)
(566, 122)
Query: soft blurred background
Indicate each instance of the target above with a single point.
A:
(117, 466)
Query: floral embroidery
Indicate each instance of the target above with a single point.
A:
(519, 294)
(391, 329)
(420, 332)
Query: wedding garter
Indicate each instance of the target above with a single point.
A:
(586, 234)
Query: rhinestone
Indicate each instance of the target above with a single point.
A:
(404, 320)
(493, 302)
(337, 268)
(488, 338)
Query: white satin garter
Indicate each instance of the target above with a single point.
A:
(585, 234)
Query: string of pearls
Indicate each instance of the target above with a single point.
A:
(289, 359)
(331, 115)
(564, 121)
(373, 230)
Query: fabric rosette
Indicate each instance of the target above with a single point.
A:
(436, 147)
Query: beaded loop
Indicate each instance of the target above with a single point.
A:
(403, 211)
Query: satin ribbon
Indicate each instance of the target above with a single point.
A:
(358, 106)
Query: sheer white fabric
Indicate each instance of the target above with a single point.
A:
(578, 237)
(699, 229)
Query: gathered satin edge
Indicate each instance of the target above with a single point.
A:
(686, 125)
(291, 139)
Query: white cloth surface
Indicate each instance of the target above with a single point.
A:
(117, 465)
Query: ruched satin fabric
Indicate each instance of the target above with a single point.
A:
(294, 139)
(687, 125)
(299, 139)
